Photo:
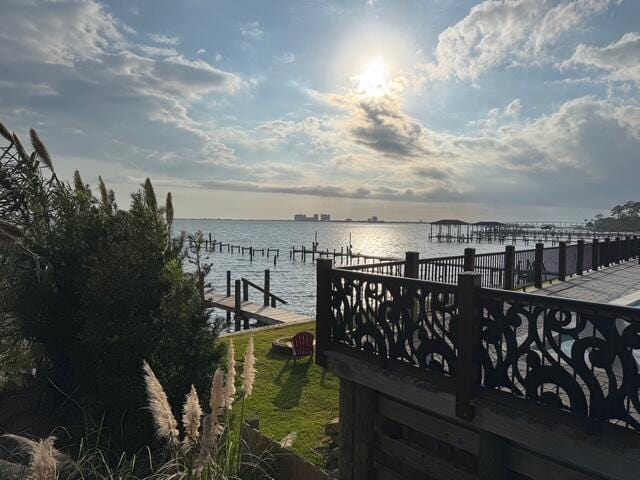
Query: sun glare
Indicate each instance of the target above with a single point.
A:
(372, 81)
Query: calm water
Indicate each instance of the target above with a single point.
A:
(294, 280)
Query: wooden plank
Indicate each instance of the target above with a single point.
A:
(420, 420)
(532, 465)
(420, 459)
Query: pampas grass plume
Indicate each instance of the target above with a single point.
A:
(44, 461)
(5, 133)
(40, 149)
(287, 442)
(217, 401)
(230, 386)
(249, 372)
(21, 151)
(191, 417)
(165, 422)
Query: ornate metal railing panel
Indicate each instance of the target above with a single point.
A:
(579, 356)
(397, 318)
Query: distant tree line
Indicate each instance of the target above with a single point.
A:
(624, 217)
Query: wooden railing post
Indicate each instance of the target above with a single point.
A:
(469, 259)
(238, 306)
(323, 308)
(595, 255)
(537, 265)
(468, 336)
(509, 266)
(580, 258)
(616, 250)
(267, 285)
(562, 261)
(411, 264)
(245, 291)
(627, 248)
(607, 252)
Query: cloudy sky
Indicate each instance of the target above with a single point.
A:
(405, 110)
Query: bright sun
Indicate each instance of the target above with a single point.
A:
(372, 81)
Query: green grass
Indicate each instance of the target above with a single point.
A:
(289, 397)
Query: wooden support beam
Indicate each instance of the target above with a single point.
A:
(347, 429)
(492, 461)
(364, 428)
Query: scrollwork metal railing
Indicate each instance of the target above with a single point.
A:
(578, 356)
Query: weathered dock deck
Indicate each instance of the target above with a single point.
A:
(262, 313)
(618, 284)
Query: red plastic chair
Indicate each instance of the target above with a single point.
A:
(302, 345)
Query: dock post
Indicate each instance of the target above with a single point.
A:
(245, 291)
(323, 308)
(267, 284)
(469, 341)
(469, 259)
(580, 259)
(411, 264)
(509, 265)
(607, 252)
(537, 265)
(616, 250)
(237, 305)
(595, 255)
(228, 295)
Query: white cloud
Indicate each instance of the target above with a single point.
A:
(514, 109)
(201, 51)
(58, 32)
(252, 30)
(620, 59)
(163, 39)
(497, 33)
(285, 58)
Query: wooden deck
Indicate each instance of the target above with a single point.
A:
(266, 315)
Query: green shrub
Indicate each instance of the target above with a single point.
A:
(108, 290)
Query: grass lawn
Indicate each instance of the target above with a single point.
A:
(289, 397)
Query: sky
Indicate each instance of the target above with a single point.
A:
(408, 110)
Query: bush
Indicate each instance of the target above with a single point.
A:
(108, 290)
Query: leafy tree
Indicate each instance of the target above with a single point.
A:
(109, 290)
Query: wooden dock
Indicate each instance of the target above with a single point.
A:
(263, 314)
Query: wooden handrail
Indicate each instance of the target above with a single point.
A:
(260, 289)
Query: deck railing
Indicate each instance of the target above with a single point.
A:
(513, 270)
(577, 356)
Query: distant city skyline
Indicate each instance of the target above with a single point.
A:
(479, 110)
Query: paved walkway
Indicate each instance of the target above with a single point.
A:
(617, 284)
